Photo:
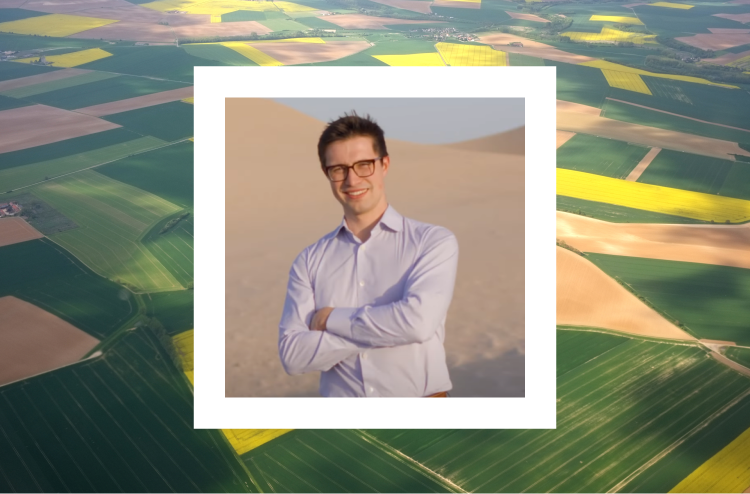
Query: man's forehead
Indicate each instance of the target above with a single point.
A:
(358, 147)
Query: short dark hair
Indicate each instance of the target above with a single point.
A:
(351, 125)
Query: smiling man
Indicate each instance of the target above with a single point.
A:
(366, 304)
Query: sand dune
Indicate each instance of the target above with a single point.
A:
(709, 244)
(510, 142)
(278, 201)
(586, 296)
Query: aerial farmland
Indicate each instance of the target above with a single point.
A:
(653, 244)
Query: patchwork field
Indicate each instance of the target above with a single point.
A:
(165, 121)
(138, 102)
(740, 355)
(112, 216)
(601, 156)
(38, 78)
(302, 53)
(36, 341)
(654, 198)
(53, 84)
(58, 25)
(459, 55)
(710, 300)
(174, 247)
(173, 309)
(47, 276)
(73, 59)
(618, 214)
(15, 230)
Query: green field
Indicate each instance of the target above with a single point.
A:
(600, 155)
(106, 91)
(47, 276)
(173, 248)
(14, 70)
(8, 15)
(580, 84)
(7, 103)
(217, 53)
(45, 87)
(173, 309)
(21, 176)
(30, 42)
(317, 23)
(620, 404)
(283, 25)
(711, 301)
(698, 173)
(677, 22)
(112, 216)
(618, 214)
(518, 60)
(122, 422)
(740, 355)
(166, 172)
(651, 118)
(168, 121)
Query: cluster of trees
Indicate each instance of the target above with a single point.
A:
(380, 10)
(171, 223)
(315, 33)
(678, 45)
(712, 72)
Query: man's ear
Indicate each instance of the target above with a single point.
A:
(386, 164)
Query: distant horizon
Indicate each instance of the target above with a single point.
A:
(445, 120)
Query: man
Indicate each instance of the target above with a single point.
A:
(366, 304)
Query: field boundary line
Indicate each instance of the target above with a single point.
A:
(414, 464)
(674, 445)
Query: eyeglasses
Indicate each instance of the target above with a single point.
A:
(364, 168)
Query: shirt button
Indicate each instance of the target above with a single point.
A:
(370, 389)
(361, 283)
(364, 356)
(364, 247)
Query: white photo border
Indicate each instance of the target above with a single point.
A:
(537, 410)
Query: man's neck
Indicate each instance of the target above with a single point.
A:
(361, 226)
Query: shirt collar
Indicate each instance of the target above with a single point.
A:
(390, 219)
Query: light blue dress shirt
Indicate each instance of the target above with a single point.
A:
(391, 295)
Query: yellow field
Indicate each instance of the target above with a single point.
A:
(626, 80)
(616, 18)
(649, 197)
(727, 471)
(253, 54)
(414, 60)
(183, 344)
(57, 25)
(215, 19)
(71, 59)
(672, 5)
(219, 7)
(459, 55)
(609, 34)
(604, 65)
(243, 440)
(740, 61)
(290, 40)
(188, 100)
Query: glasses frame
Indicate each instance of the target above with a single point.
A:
(351, 168)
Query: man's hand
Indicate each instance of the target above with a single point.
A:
(319, 319)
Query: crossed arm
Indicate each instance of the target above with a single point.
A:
(317, 341)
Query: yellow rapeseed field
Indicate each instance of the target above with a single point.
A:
(740, 62)
(459, 55)
(219, 7)
(290, 40)
(672, 5)
(71, 59)
(252, 53)
(413, 60)
(609, 34)
(56, 25)
(626, 80)
(604, 65)
(183, 344)
(649, 197)
(726, 471)
(215, 19)
(616, 18)
(188, 100)
(243, 440)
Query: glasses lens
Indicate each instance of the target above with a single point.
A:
(336, 173)
(364, 168)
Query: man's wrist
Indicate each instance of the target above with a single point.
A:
(339, 322)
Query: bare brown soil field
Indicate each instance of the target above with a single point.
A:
(563, 137)
(70, 6)
(678, 115)
(11, 4)
(569, 106)
(592, 123)
(35, 341)
(586, 296)
(221, 29)
(735, 17)
(55, 75)
(35, 125)
(14, 230)
(485, 322)
(130, 31)
(725, 245)
(510, 142)
(729, 58)
(175, 20)
(297, 53)
(422, 7)
(631, 5)
(642, 165)
(130, 12)
(360, 21)
(457, 5)
(500, 41)
(137, 102)
(718, 41)
(526, 17)
(725, 30)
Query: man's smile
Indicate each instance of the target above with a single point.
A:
(355, 194)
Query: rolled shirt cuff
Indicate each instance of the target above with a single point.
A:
(340, 322)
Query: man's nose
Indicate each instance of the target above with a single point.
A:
(352, 178)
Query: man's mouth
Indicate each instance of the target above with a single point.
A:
(356, 193)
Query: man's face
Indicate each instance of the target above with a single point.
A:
(358, 195)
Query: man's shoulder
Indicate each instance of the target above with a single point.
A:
(427, 232)
(318, 245)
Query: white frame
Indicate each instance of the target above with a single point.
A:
(537, 410)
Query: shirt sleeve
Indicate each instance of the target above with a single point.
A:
(416, 317)
(300, 349)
